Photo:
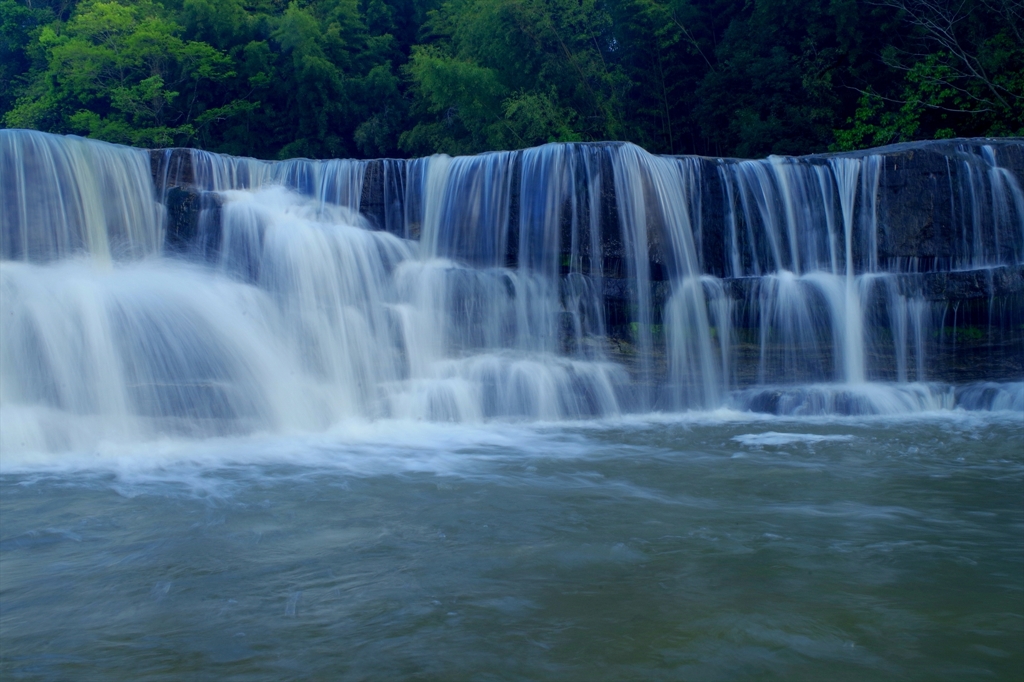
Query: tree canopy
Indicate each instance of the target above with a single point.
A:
(370, 78)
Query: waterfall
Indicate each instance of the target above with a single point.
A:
(847, 173)
(180, 292)
(66, 196)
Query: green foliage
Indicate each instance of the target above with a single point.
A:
(772, 91)
(323, 78)
(962, 74)
(927, 88)
(117, 71)
(19, 28)
(464, 98)
(538, 116)
(513, 73)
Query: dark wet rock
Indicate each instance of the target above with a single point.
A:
(964, 284)
(193, 221)
(921, 199)
(382, 201)
(171, 168)
(183, 207)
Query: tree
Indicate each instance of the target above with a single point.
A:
(511, 74)
(329, 78)
(121, 72)
(959, 72)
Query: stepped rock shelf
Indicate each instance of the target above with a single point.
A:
(941, 223)
(148, 292)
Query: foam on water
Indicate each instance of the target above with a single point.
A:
(776, 438)
(361, 447)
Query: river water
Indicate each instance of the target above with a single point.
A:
(703, 546)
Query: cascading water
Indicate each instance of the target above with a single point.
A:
(61, 197)
(566, 281)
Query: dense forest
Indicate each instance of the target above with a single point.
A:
(370, 78)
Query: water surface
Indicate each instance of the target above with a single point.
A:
(717, 546)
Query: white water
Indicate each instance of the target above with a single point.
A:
(302, 317)
(62, 196)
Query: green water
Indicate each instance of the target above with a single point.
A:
(703, 548)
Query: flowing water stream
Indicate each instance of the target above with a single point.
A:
(713, 547)
(573, 412)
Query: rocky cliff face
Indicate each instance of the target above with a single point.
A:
(939, 224)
